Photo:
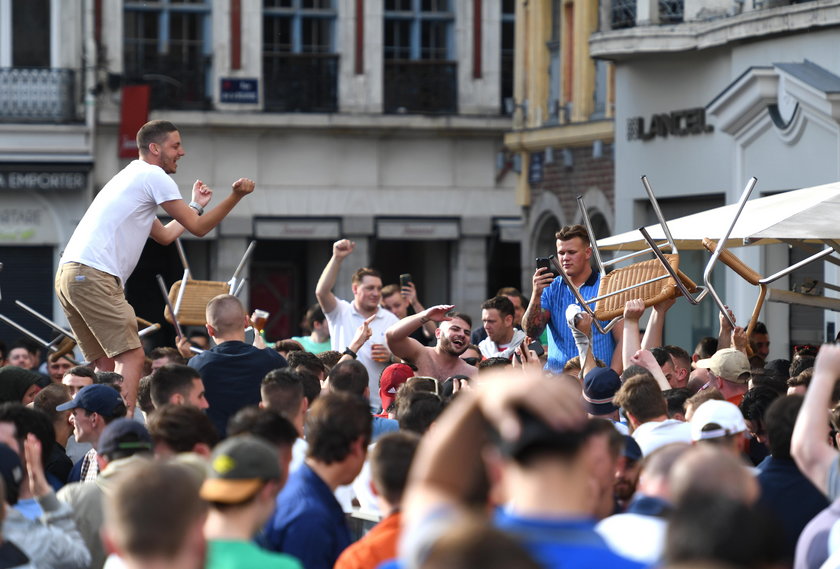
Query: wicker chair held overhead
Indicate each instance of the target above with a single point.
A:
(653, 280)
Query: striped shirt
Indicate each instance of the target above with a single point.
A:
(561, 344)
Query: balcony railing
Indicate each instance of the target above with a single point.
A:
(623, 14)
(174, 84)
(303, 83)
(671, 11)
(426, 87)
(38, 95)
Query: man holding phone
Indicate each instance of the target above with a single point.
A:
(399, 298)
(551, 296)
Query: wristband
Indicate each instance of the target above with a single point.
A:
(350, 353)
(197, 208)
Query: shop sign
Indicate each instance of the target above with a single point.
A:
(676, 123)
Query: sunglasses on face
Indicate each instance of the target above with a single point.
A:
(471, 361)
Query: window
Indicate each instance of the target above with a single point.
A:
(553, 46)
(507, 52)
(167, 44)
(300, 66)
(420, 74)
(30, 33)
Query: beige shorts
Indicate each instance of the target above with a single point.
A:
(102, 320)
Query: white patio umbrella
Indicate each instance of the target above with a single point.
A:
(811, 214)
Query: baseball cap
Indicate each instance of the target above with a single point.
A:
(99, 398)
(124, 435)
(392, 377)
(599, 387)
(656, 434)
(239, 467)
(728, 363)
(631, 449)
(714, 419)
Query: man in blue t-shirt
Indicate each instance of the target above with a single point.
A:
(551, 296)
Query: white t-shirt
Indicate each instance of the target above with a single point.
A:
(111, 235)
(343, 322)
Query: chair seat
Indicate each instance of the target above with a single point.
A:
(196, 296)
(651, 293)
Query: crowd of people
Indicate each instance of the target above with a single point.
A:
(393, 435)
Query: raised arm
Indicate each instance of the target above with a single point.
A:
(630, 342)
(725, 333)
(656, 324)
(809, 444)
(646, 359)
(410, 293)
(398, 336)
(440, 473)
(326, 282)
(189, 219)
(536, 317)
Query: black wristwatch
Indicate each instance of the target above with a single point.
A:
(350, 353)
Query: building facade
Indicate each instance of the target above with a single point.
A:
(381, 122)
(562, 136)
(708, 94)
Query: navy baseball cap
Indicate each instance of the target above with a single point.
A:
(99, 398)
(124, 435)
(599, 387)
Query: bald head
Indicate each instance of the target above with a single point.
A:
(712, 470)
(226, 316)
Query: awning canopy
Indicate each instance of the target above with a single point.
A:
(810, 214)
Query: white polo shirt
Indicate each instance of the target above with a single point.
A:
(343, 322)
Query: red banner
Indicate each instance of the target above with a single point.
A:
(133, 115)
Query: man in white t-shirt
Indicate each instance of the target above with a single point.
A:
(108, 241)
(344, 318)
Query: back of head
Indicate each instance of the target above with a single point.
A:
(706, 347)
(475, 544)
(349, 376)
(181, 428)
(313, 314)
(390, 461)
(311, 386)
(153, 132)
(152, 510)
(713, 470)
(168, 352)
(302, 359)
(27, 420)
(490, 363)
(282, 391)
(500, 303)
(334, 423)
(329, 359)
(641, 396)
(658, 464)
(418, 410)
(51, 397)
(169, 380)
(226, 315)
(800, 364)
(779, 421)
(537, 440)
(124, 438)
(754, 407)
(265, 424)
(707, 527)
(675, 399)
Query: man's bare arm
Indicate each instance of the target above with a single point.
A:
(630, 341)
(656, 324)
(398, 336)
(809, 444)
(536, 318)
(199, 225)
(326, 282)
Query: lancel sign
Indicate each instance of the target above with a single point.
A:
(676, 123)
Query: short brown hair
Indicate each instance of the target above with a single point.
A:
(390, 290)
(641, 396)
(153, 132)
(390, 461)
(181, 427)
(364, 272)
(152, 509)
(571, 231)
(500, 303)
(334, 422)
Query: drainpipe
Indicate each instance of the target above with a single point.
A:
(89, 59)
